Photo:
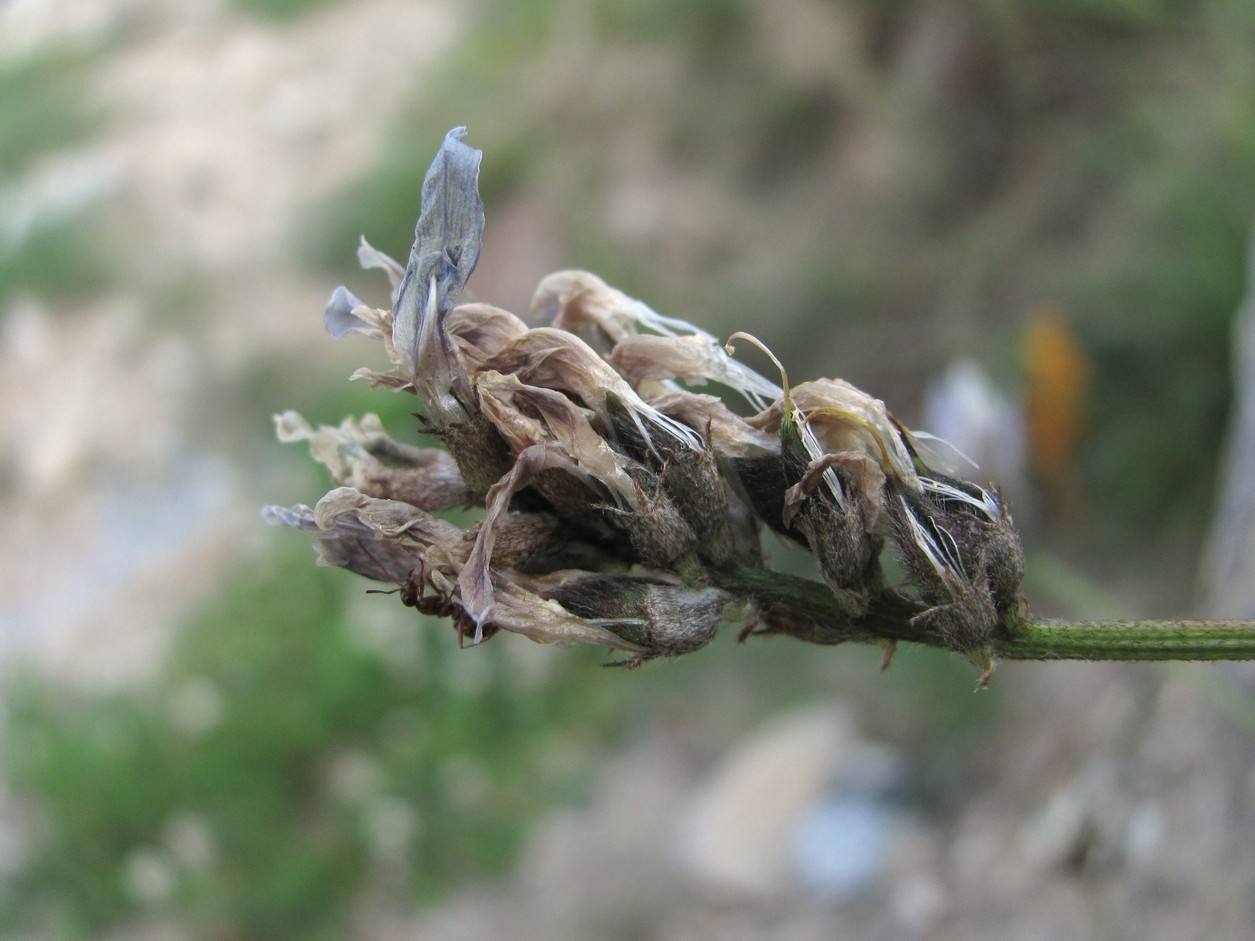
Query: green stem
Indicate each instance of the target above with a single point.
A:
(1051, 639)
(810, 611)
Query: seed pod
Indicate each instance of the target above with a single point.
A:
(990, 543)
(685, 483)
(761, 478)
(662, 619)
(833, 520)
(539, 543)
(477, 448)
(961, 554)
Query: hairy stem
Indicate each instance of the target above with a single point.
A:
(1052, 639)
(813, 613)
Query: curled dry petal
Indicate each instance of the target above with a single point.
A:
(370, 257)
(398, 380)
(728, 434)
(338, 318)
(345, 313)
(545, 621)
(348, 543)
(387, 518)
(694, 359)
(363, 456)
(475, 582)
(555, 359)
(582, 303)
(843, 417)
(561, 426)
(387, 543)
(480, 332)
(865, 476)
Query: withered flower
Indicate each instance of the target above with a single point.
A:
(363, 456)
(619, 506)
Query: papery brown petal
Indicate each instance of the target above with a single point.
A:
(398, 380)
(729, 434)
(694, 359)
(475, 582)
(517, 428)
(481, 331)
(646, 357)
(389, 518)
(555, 359)
(522, 611)
(842, 417)
(561, 423)
(581, 303)
(349, 544)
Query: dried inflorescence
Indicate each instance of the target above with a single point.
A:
(620, 507)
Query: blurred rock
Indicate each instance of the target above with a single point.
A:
(802, 806)
(738, 832)
(841, 842)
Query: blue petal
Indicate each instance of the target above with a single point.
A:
(338, 317)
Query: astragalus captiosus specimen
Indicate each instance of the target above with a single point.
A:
(623, 509)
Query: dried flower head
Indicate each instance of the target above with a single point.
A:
(620, 507)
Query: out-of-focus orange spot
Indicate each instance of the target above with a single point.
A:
(1058, 379)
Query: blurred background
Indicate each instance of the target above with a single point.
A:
(1022, 224)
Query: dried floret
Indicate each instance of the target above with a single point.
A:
(364, 456)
